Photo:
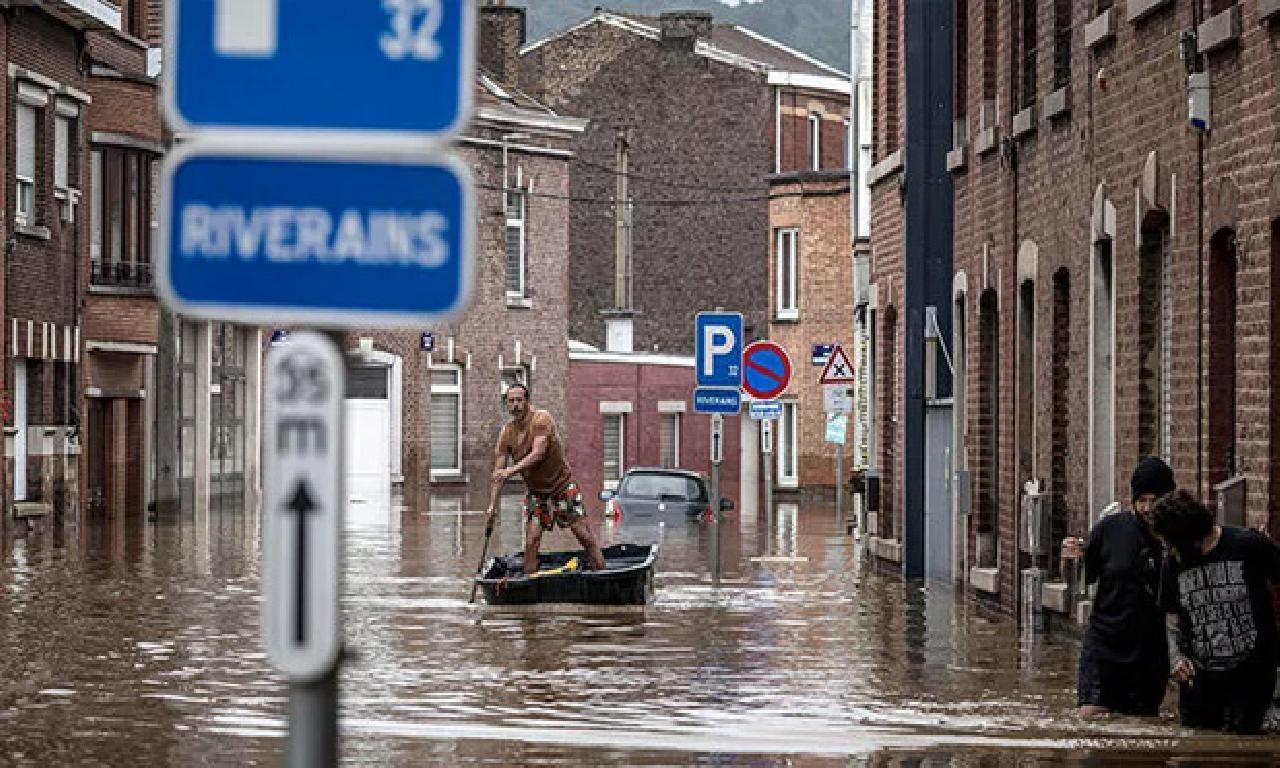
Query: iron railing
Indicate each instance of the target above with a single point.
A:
(120, 274)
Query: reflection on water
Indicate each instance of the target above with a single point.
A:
(138, 644)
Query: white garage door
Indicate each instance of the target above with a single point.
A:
(368, 429)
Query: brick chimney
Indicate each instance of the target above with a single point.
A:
(502, 33)
(685, 28)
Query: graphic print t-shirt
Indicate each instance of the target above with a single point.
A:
(1223, 601)
(549, 476)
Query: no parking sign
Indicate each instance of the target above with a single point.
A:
(766, 370)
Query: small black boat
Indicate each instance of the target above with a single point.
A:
(626, 580)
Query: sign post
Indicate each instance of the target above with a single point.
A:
(766, 447)
(837, 376)
(301, 538)
(717, 458)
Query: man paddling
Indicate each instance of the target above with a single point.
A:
(533, 443)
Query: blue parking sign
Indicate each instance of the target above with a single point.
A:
(386, 66)
(718, 346)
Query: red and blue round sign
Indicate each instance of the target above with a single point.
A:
(766, 370)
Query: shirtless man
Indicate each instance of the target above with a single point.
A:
(531, 440)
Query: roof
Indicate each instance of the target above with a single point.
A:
(729, 43)
(505, 103)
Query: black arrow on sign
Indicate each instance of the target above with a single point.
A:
(301, 505)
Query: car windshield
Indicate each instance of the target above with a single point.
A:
(651, 485)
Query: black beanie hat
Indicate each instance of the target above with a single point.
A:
(1152, 476)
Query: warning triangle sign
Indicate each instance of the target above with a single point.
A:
(839, 370)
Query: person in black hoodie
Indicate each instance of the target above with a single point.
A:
(1124, 666)
(1216, 587)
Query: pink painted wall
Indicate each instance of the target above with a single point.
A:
(642, 385)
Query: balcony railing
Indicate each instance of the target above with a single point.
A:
(120, 274)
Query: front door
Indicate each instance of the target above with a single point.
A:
(368, 441)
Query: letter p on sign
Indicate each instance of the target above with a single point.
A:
(718, 340)
(245, 27)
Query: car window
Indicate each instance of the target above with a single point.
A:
(651, 485)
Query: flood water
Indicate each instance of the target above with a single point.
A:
(138, 644)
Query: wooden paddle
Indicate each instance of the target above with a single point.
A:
(488, 532)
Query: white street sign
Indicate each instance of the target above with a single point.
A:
(717, 438)
(302, 503)
(766, 436)
(835, 398)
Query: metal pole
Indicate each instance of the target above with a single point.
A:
(717, 450)
(313, 722)
(767, 426)
(839, 493)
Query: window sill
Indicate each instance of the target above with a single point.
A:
(449, 478)
(885, 168)
(985, 580)
(1218, 32)
(957, 159)
(38, 231)
(1024, 123)
(986, 141)
(1140, 9)
(1102, 29)
(787, 318)
(1058, 103)
(518, 302)
(887, 549)
(121, 290)
(1055, 597)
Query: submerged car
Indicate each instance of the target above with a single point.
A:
(663, 494)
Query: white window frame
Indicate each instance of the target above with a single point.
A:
(25, 184)
(815, 141)
(788, 306)
(621, 417)
(786, 443)
(454, 390)
(848, 144)
(518, 223)
(675, 420)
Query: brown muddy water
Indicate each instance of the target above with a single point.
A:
(138, 644)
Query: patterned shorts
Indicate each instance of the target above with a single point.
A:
(563, 509)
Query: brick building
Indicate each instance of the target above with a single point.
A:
(428, 408)
(1114, 266)
(77, 84)
(120, 311)
(684, 111)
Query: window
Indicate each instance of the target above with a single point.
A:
(786, 446)
(1030, 67)
(613, 448)
(848, 144)
(670, 440)
(120, 219)
(788, 247)
(1061, 43)
(446, 419)
(27, 122)
(962, 59)
(815, 142)
(517, 266)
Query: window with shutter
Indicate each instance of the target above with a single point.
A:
(446, 419)
(26, 164)
(670, 440)
(613, 451)
(815, 142)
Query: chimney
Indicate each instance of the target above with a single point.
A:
(684, 28)
(502, 31)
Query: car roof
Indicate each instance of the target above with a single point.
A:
(675, 471)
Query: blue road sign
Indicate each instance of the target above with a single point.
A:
(718, 342)
(766, 409)
(716, 400)
(386, 66)
(821, 354)
(264, 238)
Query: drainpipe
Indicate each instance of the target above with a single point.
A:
(1197, 14)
